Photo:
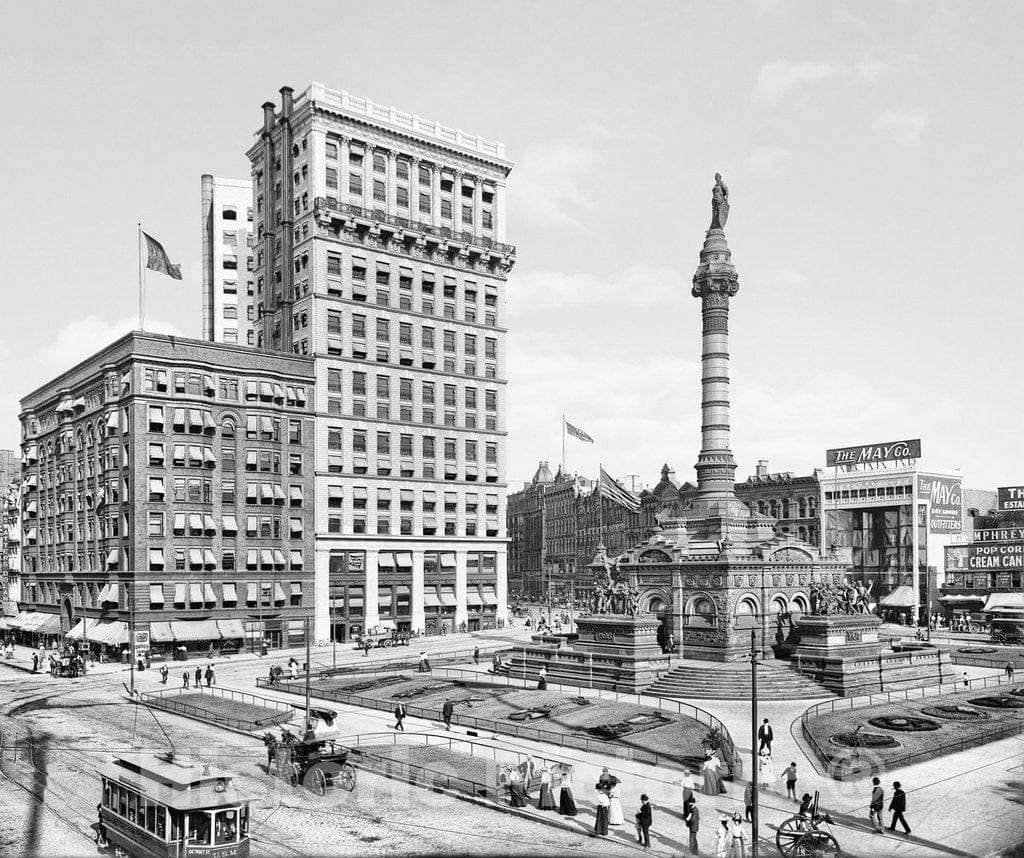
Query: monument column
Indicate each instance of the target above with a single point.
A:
(714, 282)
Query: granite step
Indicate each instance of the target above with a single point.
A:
(733, 682)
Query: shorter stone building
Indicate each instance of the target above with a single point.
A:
(169, 482)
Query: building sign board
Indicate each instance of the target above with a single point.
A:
(889, 451)
(141, 642)
(981, 558)
(1010, 497)
(999, 534)
(945, 502)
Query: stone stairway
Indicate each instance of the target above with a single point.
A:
(703, 680)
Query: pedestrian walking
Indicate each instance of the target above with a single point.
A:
(765, 769)
(898, 806)
(790, 777)
(967, 682)
(542, 682)
(516, 795)
(546, 799)
(724, 837)
(738, 838)
(35, 662)
(877, 803)
(691, 816)
(601, 821)
(615, 816)
(643, 822)
(495, 663)
(765, 735)
(424, 666)
(446, 713)
(400, 716)
(566, 800)
(712, 779)
(163, 674)
(1009, 671)
(184, 679)
(209, 676)
(476, 655)
(748, 801)
(529, 772)
(293, 668)
(199, 678)
(688, 786)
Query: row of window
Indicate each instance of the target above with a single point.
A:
(204, 524)
(196, 558)
(225, 387)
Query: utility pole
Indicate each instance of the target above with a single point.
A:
(131, 639)
(753, 738)
(334, 638)
(305, 628)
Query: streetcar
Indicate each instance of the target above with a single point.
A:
(1007, 625)
(161, 806)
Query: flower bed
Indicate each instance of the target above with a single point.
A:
(904, 723)
(857, 739)
(956, 713)
(999, 702)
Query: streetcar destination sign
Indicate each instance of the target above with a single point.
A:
(889, 451)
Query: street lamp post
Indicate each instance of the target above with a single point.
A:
(334, 638)
(753, 739)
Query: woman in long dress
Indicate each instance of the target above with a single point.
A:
(712, 780)
(515, 788)
(765, 768)
(546, 799)
(615, 816)
(724, 837)
(566, 802)
(688, 786)
(738, 846)
(601, 823)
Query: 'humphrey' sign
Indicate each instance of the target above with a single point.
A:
(1011, 497)
(890, 451)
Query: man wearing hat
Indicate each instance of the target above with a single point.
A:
(643, 821)
(877, 803)
(897, 805)
(691, 815)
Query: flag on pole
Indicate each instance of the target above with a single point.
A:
(609, 487)
(578, 433)
(157, 259)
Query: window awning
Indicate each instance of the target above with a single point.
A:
(209, 525)
(295, 493)
(252, 593)
(32, 482)
(278, 391)
(156, 591)
(195, 593)
(266, 389)
(278, 592)
(208, 456)
(160, 632)
(113, 594)
(404, 559)
(296, 558)
(997, 601)
(230, 594)
(112, 558)
(112, 420)
(179, 594)
(385, 560)
(448, 599)
(279, 561)
(195, 521)
(955, 599)
(266, 557)
(195, 630)
(448, 559)
(209, 596)
(209, 560)
(490, 597)
(251, 560)
(31, 507)
(32, 535)
(473, 597)
(901, 597)
(156, 562)
(266, 491)
(64, 405)
(195, 558)
(384, 597)
(279, 495)
(430, 599)
(266, 425)
(230, 525)
(231, 629)
(296, 588)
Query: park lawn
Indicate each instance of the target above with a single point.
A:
(935, 743)
(224, 707)
(679, 738)
(440, 760)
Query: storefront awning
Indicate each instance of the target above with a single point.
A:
(960, 599)
(430, 599)
(231, 629)
(195, 630)
(111, 634)
(901, 597)
(81, 629)
(448, 599)
(998, 601)
(160, 632)
(490, 597)
(473, 598)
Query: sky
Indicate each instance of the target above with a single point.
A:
(872, 152)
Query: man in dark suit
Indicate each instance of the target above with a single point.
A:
(877, 803)
(765, 736)
(691, 815)
(446, 713)
(400, 716)
(898, 805)
(643, 821)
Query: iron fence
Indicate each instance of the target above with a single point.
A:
(165, 700)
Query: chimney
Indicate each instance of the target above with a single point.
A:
(268, 117)
(286, 101)
(762, 467)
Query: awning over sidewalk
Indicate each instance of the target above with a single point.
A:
(112, 634)
(901, 597)
(160, 631)
(231, 629)
(195, 630)
(36, 622)
(997, 601)
(953, 600)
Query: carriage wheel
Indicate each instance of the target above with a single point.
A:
(817, 844)
(789, 834)
(316, 781)
(347, 777)
(387, 642)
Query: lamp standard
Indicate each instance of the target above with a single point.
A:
(753, 739)
(334, 638)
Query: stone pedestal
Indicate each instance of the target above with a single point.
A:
(613, 651)
(844, 653)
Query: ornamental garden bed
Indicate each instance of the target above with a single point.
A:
(223, 711)
(923, 728)
(638, 732)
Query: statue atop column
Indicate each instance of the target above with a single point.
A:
(719, 203)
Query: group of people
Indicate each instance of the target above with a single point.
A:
(555, 780)
(199, 674)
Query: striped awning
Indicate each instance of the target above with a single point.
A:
(231, 629)
(901, 597)
(999, 601)
(195, 630)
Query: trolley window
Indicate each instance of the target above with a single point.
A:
(199, 827)
(225, 827)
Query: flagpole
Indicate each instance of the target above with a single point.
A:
(142, 290)
(600, 504)
(563, 443)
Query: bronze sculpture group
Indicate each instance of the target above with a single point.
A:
(614, 597)
(845, 598)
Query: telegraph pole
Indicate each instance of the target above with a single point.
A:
(753, 738)
(309, 666)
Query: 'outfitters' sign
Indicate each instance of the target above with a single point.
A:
(890, 451)
(945, 502)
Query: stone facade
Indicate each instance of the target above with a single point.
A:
(228, 261)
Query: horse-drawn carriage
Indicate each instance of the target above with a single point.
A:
(69, 666)
(316, 764)
(382, 637)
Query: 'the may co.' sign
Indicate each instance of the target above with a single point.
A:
(890, 451)
(1011, 497)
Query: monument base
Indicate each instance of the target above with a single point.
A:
(613, 651)
(844, 653)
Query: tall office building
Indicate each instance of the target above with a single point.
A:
(228, 310)
(381, 251)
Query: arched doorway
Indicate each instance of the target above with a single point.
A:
(657, 604)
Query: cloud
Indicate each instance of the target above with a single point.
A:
(775, 79)
(83, 337)
(764, 161)
(902, 126)
(879, 61)
(552, 177)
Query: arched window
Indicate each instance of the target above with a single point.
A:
(761, 507)
(227, 429)
(778, 605)
(799, 604)
(745, 616)
(785, 507)
(802, 508)
(773, 508)
(802, 532)
(701, 612)
(656, 605)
